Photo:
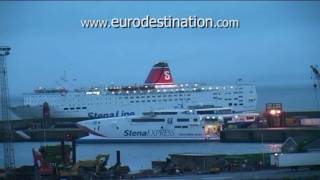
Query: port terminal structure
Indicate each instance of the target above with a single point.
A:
(8, 152)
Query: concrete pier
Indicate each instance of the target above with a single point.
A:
(270, 134)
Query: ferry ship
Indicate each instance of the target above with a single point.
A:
(165, 125)
(158, 92)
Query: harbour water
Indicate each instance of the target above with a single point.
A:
(293, 97)
(139, 155)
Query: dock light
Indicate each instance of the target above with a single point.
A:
(209, 126)
(274, 109)
(274, 112)
(68, 136)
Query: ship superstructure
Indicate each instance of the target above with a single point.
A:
(158, 92)
(165, 125)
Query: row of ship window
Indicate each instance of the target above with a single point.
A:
(142, 101)
(235, 104)
(138, 120)
(228, 99)
(72, 108)
(125, 97)
(159, 100)
(165, 100)
(169, 95)
(131, 97)
(219, 93)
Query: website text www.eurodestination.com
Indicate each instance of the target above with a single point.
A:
(161, 22)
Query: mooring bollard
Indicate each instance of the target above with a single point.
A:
(74, 151)
(118, 157)
(62, 151)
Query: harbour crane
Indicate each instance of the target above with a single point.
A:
(8, 148)
(316, 77)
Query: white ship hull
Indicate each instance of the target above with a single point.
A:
(158, 92)
(104, 105)
(98, 139)
(181, 127)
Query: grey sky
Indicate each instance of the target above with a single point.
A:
(276, 43)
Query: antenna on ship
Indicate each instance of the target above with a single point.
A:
(316, 85)
(9, 160)
(64, 77)
(64, 83)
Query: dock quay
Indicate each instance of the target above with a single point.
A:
(274, 135)
(53, 134)
(55, 130)
(271, 135)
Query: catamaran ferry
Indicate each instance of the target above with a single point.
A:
(164, 125)
(158, 92)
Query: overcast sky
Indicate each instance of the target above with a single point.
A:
(276, 43)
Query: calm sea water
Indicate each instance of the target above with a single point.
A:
(139, 155)
(293, 97)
